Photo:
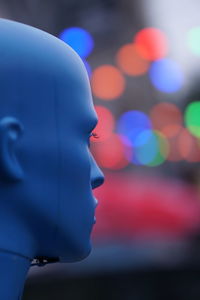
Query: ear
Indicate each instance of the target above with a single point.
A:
(10, 131)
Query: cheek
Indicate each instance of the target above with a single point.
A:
(75, 177)
(76, 205)
(75, 164)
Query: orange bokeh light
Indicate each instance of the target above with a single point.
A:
(152, 43)
(130, 61)
(105, 125)
(110, 153)
(107, 82)
(167, 118)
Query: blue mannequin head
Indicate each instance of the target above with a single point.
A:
(47, 172)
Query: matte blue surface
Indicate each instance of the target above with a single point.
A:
(166, 75)
(47, 172)
(14, 269)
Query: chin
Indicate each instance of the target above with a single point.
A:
(77, 254)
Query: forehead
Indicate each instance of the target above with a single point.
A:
(76, 103)
(73, 89)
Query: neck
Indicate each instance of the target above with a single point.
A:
(13, 271)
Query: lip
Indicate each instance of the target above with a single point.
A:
(95, 206)
(95, 202)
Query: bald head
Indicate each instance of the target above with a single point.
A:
(46, 170)
(34, 66)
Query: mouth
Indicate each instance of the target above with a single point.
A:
(95, 206)
(95, 203)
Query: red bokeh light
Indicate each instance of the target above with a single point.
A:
(152, 43)
(171, 130)
(188, 146)
(110, 153)
(105, 125)
(184, 146)
(167, 118)
(174, 153)
(142, 207)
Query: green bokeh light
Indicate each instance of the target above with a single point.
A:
(192, 118)
(162, 151)
(194, 40)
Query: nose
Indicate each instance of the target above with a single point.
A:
(97, 177)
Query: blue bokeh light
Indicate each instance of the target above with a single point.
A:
(145, 150)
(131, 124)
(146, 153)
(166, 75)
(79, 39)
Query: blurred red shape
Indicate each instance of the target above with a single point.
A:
(138, 207)
(107, 82)
(105, 125)
(184, 146)
(110, 153)
(130, 62)
(188, 145)
(174, 154)
(152, 43)
(167, 118)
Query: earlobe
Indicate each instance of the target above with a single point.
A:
(10, 131)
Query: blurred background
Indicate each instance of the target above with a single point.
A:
(143, 60)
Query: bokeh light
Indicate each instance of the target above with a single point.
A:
(151, 207)
(110, 153)
(171, 130)
(144, 153)
(79, 39)
(162, 150)
(188, 146)
(131, 124)
(174, 149)
(194, 40)
(151, 153)
(152, 43)
(192, 118)
(166, 76)
(107, 82)
(130, 61)
(167, 118)
(105, 125)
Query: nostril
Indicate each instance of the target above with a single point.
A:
(97, 182)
